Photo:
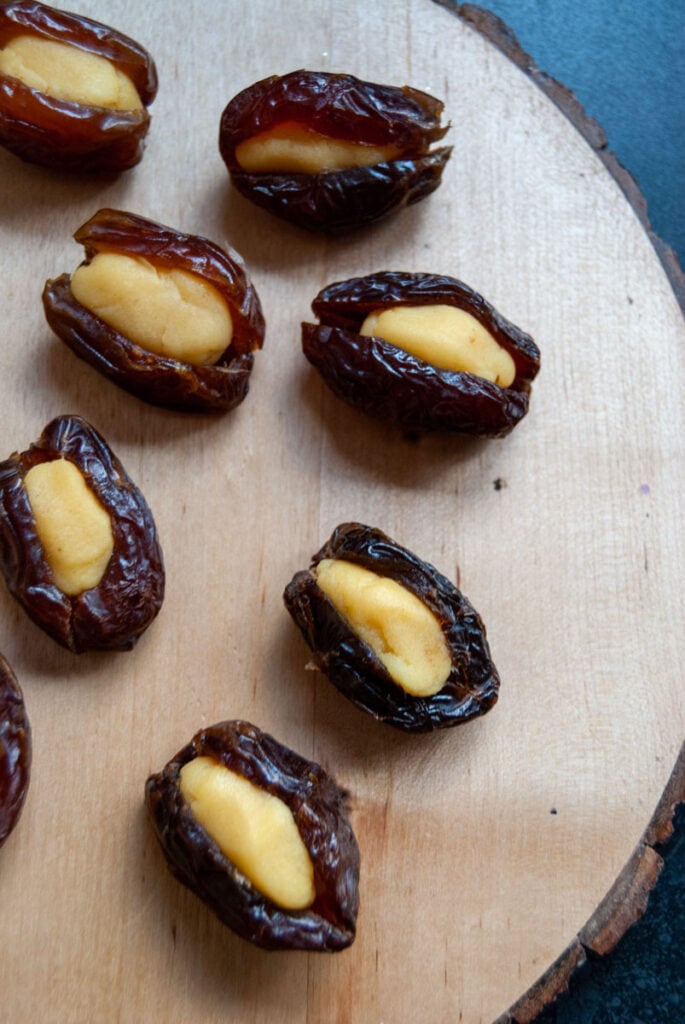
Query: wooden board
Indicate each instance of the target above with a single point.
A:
(484, 848)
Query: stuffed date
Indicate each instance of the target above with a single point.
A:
(262, 836)
(15, 750)
(423, 352)
(391, 633)
(171, 318)
(73, 92)
(331, 152)
(78, 544)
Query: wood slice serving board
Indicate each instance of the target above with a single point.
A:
(484, 848)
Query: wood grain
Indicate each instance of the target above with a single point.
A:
(484, 849)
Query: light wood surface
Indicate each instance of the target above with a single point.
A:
(485, 848)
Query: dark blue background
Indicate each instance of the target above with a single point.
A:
(624, 61)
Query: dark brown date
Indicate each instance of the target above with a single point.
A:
(345, 108)
(391, 384)
(352, 666)
(159, 379)
(63, 133)
(15, 750)
(318, 807)
(113, 614)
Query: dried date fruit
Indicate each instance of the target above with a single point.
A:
(391, 633)
(78, 544)
(262, 836)
(73, 92)
(171, 318)
(15, 750)
(423, 352)
(331, 152)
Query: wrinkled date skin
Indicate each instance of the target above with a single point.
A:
(341, 107)
(393, 385)
(318, 806)
(15, 751)
(350, 664)
(112, 615)
(62, 133)
(158, 379)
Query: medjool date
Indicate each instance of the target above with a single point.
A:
(331, 152)
(238, 774)
(386, 657)
(15, 750)
(78, 544)
(416, 381)
(171, 318)
(73, 92)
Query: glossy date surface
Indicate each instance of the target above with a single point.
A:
(473, 683)
(319, 810)
(343, 107)
(62, 133)
(15, 750)
(113, 614)
(391, 384)
(158, 379)
(387, 382)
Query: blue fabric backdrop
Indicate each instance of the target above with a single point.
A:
(624, 62)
